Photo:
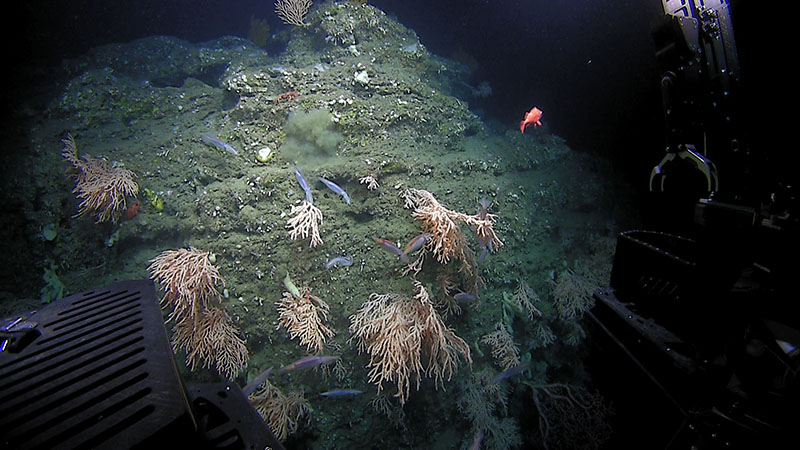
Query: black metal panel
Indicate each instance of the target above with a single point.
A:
(227, 421)
(100, 374)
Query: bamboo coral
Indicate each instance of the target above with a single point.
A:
(525, 300)
(504, 350)
(293, 12)
(572, 294)
(101, 190)
(370, 180)
(303, 316)
(212, 340)
(447, 240)
(305, 223)
(282, 412)
(571, 416)
(201, 326)
(396, 330)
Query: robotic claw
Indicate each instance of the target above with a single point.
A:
(700, 319)
(688, 153)
(697, 54)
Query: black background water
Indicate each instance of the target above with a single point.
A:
(589, 64)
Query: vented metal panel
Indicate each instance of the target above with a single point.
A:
(99, 375)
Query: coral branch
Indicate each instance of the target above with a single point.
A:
(282, 412)
(504, 350)
(102, 190)
(395, 330)
(570, 416)
(572, 295)
(447, 241)
(303, 316)
(293, 12)
(370, 180)
(201, 326)
(305, 223)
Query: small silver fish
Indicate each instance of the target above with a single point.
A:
(511, 371)
(465, 296)
(341, 393)
(339, 260)
(219, 143)
(390, 247)
(417, 243)
(335, 188)
(257, 382)
(308, 362)
(303, 184)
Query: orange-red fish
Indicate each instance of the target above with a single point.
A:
(532, 117)
(133, 210)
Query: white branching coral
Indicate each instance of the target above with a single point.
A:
(397, 331)
(303, 318)
(370, 181)
(446, 237)
(305, 223)
(504, 350)
(202, 327)
(572, 295)
(293, 12)
(282, 412)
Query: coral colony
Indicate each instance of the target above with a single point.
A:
(103, 191)
(201, 326)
